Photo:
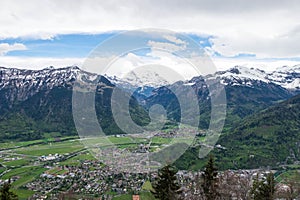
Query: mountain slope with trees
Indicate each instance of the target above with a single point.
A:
(268, 138)
(38, 104)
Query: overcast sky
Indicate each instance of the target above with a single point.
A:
(33, 33)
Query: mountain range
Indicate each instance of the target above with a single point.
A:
(38, 103)
(246, 92)
(286, 76)
(262, 120)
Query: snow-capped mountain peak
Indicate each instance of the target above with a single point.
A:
(26, 83)
(295, 69)
(141, 78)
(244, 73)
(287, 77)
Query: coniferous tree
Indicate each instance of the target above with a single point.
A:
(166, 186)
(269, 188)
(263, 189)
(255, 190)
(210, 182)
(5, 193)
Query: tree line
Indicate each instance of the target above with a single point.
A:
(213, 185)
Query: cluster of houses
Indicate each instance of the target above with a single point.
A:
(90, 177)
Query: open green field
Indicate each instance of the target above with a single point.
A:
(6, 145)
(51, 148)
(26, 174)
(112, 140)
(23, 194)
(76, 160)
(160, 140)
(291, 175)
(16, 163)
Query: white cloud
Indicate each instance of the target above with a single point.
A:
(165, 62)
(263, 46)
(267, 65)
(174, 44)
(266, 28)
(166, 46)
(5, 47)
(174, 39)
(38, 62)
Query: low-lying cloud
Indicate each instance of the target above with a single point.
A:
(5, 47)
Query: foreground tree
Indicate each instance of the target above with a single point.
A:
(166, 186)
(210, 180)
(205, 185)
(5, 193)
(263, 189)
